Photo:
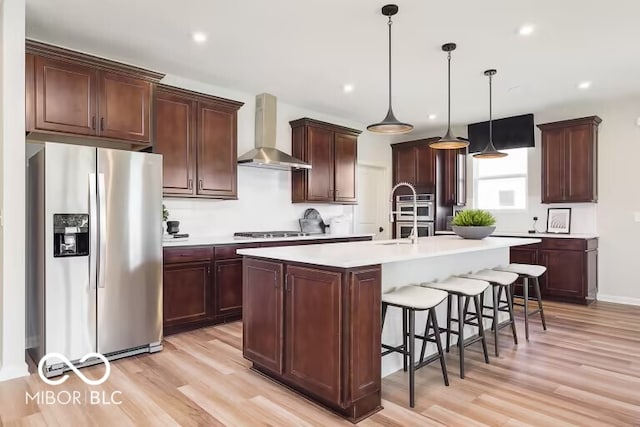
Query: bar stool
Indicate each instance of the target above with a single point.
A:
(499, 280)
(410, 299)
(464, 289)
(527, 272)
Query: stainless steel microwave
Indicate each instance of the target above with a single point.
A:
(425, 207)
(403, 229)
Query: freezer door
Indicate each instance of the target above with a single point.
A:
(130, 247)
(69, 294)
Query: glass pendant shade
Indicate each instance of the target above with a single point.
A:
(449, 141)
(490, 151)
(390, 125)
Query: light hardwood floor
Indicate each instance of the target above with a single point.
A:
(585, 371)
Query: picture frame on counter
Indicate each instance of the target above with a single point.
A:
(559, 220)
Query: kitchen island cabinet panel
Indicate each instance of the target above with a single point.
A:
(263, 336)
(313, 354)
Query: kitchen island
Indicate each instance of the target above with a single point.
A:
(311, 314)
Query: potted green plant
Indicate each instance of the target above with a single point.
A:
(473, 224)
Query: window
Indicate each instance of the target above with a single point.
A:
(501, 184)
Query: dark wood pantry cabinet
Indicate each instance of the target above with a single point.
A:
(73, 94)
(197, 135)
(332, 152)
(570, 160)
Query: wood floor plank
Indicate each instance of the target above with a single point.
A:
(585, 370)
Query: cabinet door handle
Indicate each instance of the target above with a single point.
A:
(190, 184)
(102, 123)
(199, 184)
(93, 122)
(287, 283)
(209, 270)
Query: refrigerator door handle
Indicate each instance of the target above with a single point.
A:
(93, 232)
(102, 219)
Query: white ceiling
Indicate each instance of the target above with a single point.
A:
(304, 51)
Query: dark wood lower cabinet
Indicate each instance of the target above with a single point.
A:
(312, 298)
(572, 267)
(262, 328)
(203, 284)
(328, 348)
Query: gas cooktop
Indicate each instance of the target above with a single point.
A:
(268, 234)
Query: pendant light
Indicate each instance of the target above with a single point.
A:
(390, 124)
(449, 141)
(490, 151)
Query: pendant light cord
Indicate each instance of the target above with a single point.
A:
(490, 110)
(449, 91)
(389, 24)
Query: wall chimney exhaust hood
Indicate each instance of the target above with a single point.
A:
(266, 154)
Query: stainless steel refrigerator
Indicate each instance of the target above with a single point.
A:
(95, 253)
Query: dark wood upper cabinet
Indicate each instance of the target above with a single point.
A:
(65, 96)
(74, 94)
(125, 107)
(570, 160)
(414, 162)
(217, 150)
(197, 135)
(452, 177)
(262, 339)
(332, 152)
(346, 156)
(175, 139)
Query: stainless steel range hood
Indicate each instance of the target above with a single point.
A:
(266, 155)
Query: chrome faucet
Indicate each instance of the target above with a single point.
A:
(414, 232)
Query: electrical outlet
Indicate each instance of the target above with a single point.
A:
(638, 121)
(636, 216)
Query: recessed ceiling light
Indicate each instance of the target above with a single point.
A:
(199, 37)
(432, 117)
(526, 30)
(347, 88)
(584, 85)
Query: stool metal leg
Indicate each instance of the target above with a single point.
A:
(412, 366)
(461, 335)
(449, 307)
(496, 303)
(476, 300)
(384, 315)
(436, 330)
(404, 339)
(511, 317)
(536, 283)
(426, 335)
(525, 291)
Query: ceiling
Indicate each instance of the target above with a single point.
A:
(305, 51)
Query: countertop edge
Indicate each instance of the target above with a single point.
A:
(230, 240)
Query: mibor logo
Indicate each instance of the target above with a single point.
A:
(66, 361)
(74, 397)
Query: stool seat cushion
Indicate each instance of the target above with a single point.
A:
(458, 285)
(416, 297)
(531, 270)
(503, 278)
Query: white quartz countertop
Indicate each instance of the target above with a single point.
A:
(532, 235)
(357, 254)
(230, 240)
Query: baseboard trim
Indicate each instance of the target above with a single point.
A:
(16, 371)
(619, 300)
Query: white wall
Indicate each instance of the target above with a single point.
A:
(12, 190)
(264, 195)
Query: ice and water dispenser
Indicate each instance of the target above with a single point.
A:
(70, 235)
